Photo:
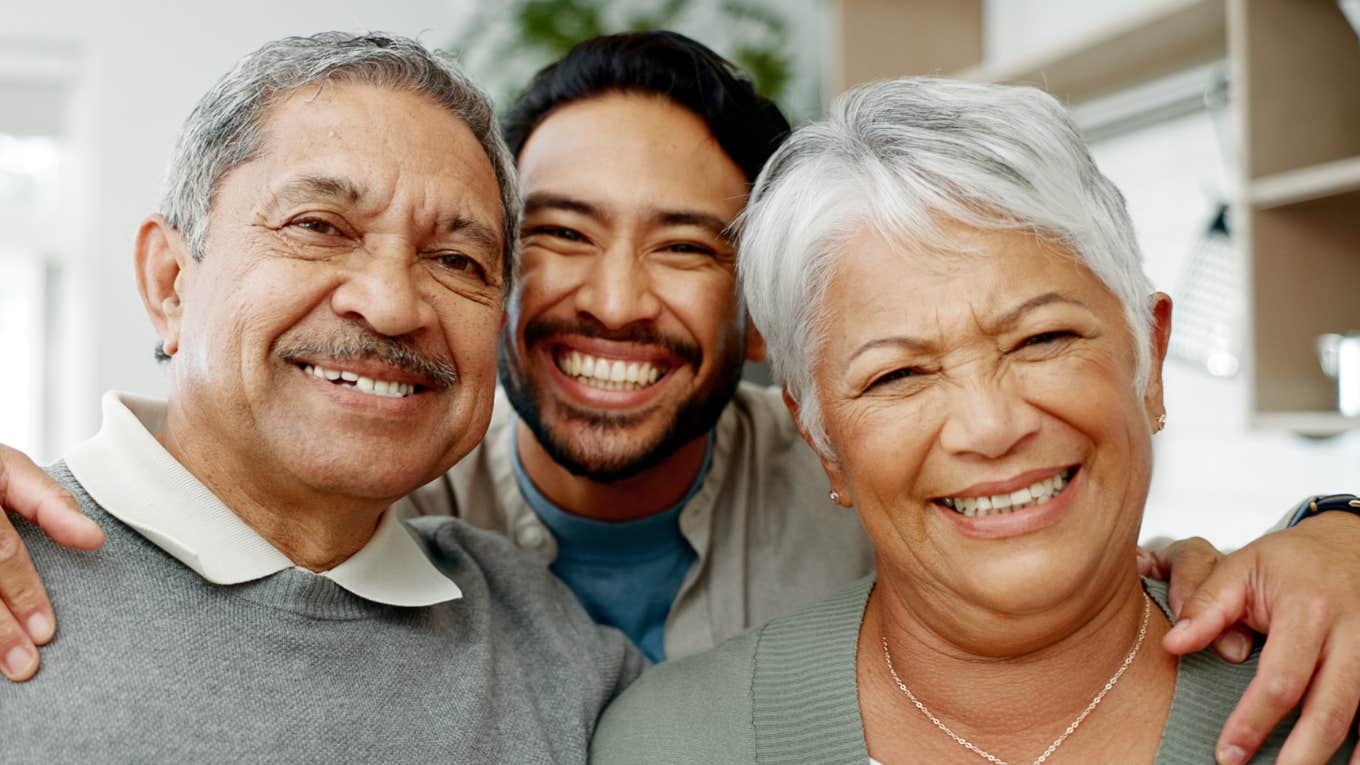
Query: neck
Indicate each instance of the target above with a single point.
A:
(316, 531)
(640, 496)
(1012, 687)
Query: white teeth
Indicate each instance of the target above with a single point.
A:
(386, 388)
(609, 374)
(1037, 493)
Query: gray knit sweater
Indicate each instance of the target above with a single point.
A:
(785, 693)
(155, 664)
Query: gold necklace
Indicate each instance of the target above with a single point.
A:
(970, 746)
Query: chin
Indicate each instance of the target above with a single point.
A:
(1042, 578)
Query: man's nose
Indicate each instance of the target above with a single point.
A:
(618, 289)
(987, 418)
(382, 287)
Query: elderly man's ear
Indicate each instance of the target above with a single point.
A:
(1161, 338)
(840, 491)
(162, 257)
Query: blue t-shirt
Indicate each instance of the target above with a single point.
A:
(625, 574)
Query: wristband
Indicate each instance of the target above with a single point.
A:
(1321, 503)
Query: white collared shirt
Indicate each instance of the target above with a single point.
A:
(131, 475)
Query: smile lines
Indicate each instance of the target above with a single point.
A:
(385, 388)
(1020, 499)
(608, 374)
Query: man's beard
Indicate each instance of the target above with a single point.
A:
(599, 454)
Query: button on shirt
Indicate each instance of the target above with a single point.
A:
(765, 537)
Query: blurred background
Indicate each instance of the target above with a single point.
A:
(1233, 127)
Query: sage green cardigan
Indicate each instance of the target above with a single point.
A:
(785, 693)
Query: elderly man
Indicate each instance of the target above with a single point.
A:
(680, 505)
(326, 278)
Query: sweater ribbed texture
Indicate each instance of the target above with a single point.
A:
(785, 694)
(155, 664)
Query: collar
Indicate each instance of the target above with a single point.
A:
(131, 475)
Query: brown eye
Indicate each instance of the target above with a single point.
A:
(1046, 338)
(556, 232)
(895, 375)
(317, 226)
(459, 263)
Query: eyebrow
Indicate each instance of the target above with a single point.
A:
(326, 187)
(540, 201)
(1004, 321)
(1012, 317)
(478, 233)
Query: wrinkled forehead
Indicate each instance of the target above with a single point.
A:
(362, 142)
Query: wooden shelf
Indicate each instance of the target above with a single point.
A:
(1307, 423)
(1305, 184)
(1169, 37)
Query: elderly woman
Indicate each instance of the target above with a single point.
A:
(950, 291)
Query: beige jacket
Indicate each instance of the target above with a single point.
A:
(768, 540)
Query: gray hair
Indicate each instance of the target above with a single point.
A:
(901, 158)
(225, 128)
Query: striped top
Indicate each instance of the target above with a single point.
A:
(785, 693)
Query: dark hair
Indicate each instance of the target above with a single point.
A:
(748, 126)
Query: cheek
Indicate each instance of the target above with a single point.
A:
(544, 280)
(472, 333)
(881, 447)
(705, 303)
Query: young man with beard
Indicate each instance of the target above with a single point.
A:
(678, 503)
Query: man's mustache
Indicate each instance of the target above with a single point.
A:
(357, 343)
(641, 333)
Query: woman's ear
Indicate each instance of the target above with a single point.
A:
(161, 257)
(1160, 340)
(755, 345)
(840, 491)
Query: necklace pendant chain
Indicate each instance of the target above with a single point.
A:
(1072, 728)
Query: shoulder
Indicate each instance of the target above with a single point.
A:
(1207, 690)
(691, 710)
(526, 606)
(466, 553)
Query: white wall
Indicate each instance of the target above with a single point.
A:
(137, 68)
(1214, 475)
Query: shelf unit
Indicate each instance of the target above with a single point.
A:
(1294, 71)
(1296, 92)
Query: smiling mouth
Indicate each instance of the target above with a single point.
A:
(1021, 499)
(609, 374)
(369, 385)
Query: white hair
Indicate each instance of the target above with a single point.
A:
(226, 126)
(902, 158)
